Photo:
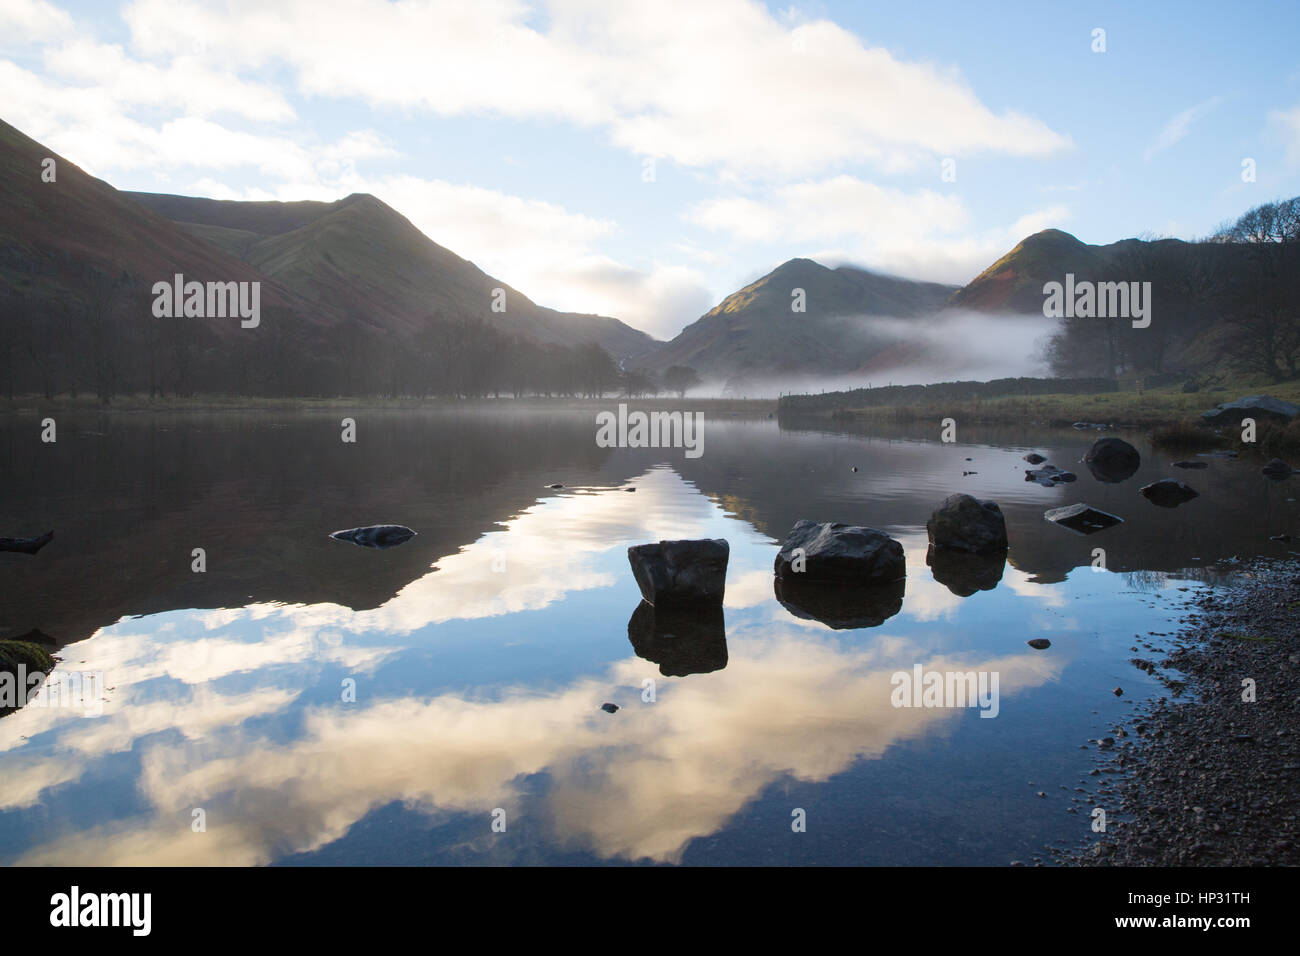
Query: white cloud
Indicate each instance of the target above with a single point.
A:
(722, 84)
(830, 209)
(1179, 126)
(24, 21)
(888, 230)
(1287, 122)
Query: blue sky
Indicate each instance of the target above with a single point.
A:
(645, 160)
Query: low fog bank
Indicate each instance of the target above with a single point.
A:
(951, 346)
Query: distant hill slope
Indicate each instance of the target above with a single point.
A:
(51, 233)
(364, 258)
(754, 332)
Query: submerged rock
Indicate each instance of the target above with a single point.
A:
(1112, 460)
(963, 523)
(681, 572)
(840, 552)
(682, 641)
(839, 604)
(1191, 464)
(26, 545)
(1277, 468)
(380, 536)
(1049, 476)
(1082, 518)
(1168, 493)
(1259, 407)
(964, 572)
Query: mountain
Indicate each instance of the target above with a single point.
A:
(353, 298)
(361, 256)
(51, 232)
(756, 332)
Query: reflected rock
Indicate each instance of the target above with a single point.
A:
(962, 523)
(839, 604)
(1277, 468)
(1082, 519)
(839, 552)
(1264, 407)
(376, 536)
(964, 572)
(1049, 476)
(26, 545)
(1112, 460)
(681, 573)
(1168, 493)
(681, 641)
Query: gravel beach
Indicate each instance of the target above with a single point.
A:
(1201, 776)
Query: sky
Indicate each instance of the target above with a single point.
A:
(645, 160)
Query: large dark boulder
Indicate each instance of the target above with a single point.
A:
(840, 552)
(837, 604)
(962, 523)
(1168, 493)
(964, 572)
(380, 536)
(1112, 460)
(1258, 407)
(680, 640)
(678, 573)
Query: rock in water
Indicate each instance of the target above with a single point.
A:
(1276, 468)
(26, 545)
(962, 523)
(1049, 476)
(676, 573)
(1112, 460)
(1039, 643)
(1034, 458)
(840, 552)
(1082, 519)
(682, 641)
(609, 708)
(1259, 407)
(1168, 493)
(376, 536)
(1190, 464)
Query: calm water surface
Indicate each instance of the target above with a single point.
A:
(480, 652)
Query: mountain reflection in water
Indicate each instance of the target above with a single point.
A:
(324, 704)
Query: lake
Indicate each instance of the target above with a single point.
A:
(304, 701)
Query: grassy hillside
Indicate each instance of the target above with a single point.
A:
(755, 330)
